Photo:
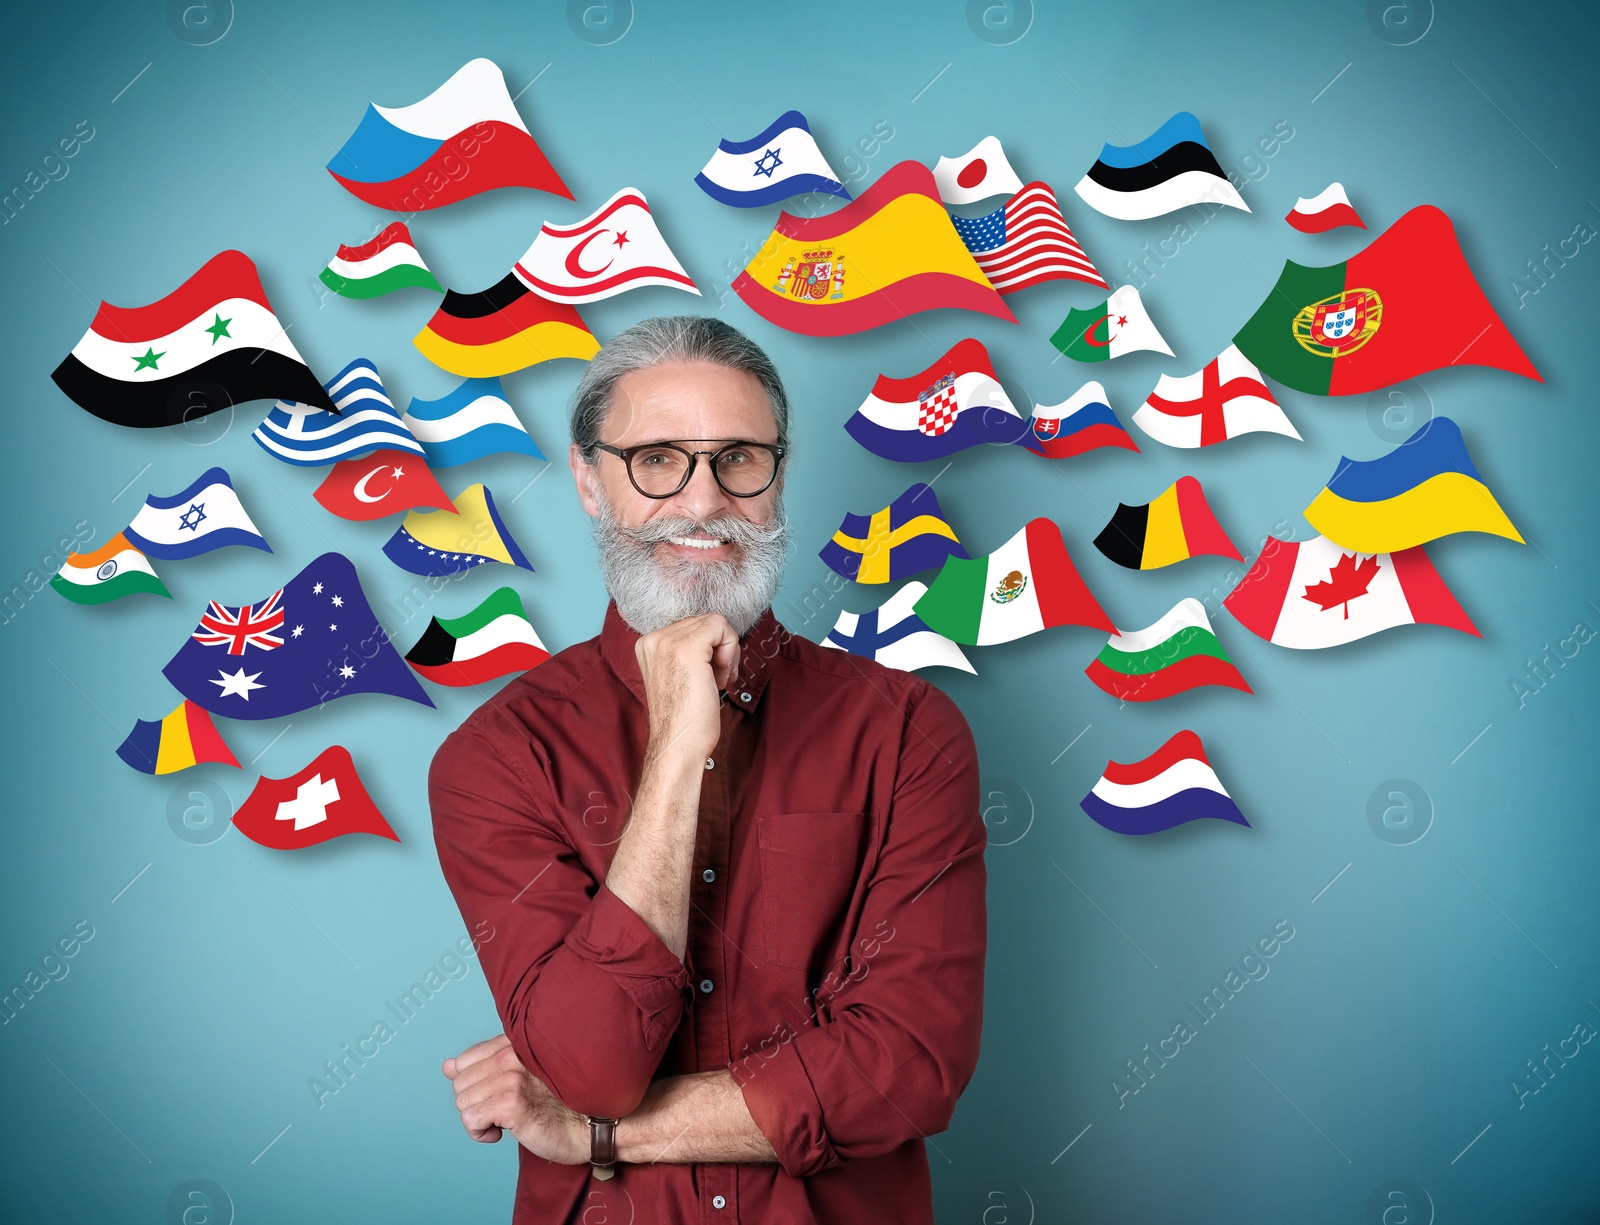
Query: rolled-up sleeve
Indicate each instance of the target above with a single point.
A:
(897, 1043)
(586, 991)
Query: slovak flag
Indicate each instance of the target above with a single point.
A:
(615, 248)
(325, 800)
(1081, 422)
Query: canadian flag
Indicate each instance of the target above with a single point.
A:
(325, 800)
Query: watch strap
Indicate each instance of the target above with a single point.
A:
(603, 1147)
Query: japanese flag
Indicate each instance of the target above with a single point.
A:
(976, 175)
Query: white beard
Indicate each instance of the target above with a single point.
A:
(651, 591)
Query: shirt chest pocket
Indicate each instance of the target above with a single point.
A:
(811, 863)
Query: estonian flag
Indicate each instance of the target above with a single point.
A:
(1162, 173)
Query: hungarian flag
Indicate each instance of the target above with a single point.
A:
(112, 571)
(1406, 305)
(187, 737)
(210, 344)
(1178, 653)
(387, 263)
(1026, 585)
(1311, 594)
(507, 327)
(325, 800)
(492, 640)
(616, 248)
(1118, 325)
(1177, 525)
(381, 484)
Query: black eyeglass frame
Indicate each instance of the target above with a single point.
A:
(626, 454)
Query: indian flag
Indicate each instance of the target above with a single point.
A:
(112, 571)
(1026, 585)
(492, 640)
(389, 262)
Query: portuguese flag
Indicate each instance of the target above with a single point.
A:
(1177, 653)
(1406, 305)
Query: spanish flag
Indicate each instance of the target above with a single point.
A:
(888, 254)
(505, 328)
(184, 738)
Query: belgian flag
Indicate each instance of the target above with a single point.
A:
(1175, 526)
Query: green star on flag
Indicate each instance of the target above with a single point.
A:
(148, 360)
(219, 329)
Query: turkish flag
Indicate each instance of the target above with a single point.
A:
(325, 800)
(381, 484)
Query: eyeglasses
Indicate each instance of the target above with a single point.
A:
(660, 469)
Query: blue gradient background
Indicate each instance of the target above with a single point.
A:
(1389, 1030)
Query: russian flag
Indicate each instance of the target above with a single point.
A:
(1173, 785)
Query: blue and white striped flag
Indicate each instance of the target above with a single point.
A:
(367, 421)
(783, 161)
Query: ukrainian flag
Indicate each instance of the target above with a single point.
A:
(1425, 488)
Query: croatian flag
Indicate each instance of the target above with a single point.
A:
(781, 162)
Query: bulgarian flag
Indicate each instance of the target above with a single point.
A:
(1406, 305)
(112, 571)
(1028, 584)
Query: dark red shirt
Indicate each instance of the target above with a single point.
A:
(836, 928)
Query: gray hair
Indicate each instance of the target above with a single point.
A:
(668, 338)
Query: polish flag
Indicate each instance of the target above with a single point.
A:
(1327, 210)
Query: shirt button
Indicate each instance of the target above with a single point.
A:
(718, 1202)
(705, 985)
(744, 697)
(708, 876)
(709, 763)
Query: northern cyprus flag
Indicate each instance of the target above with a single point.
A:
(1026, 585)
(616, 248)
(1118, 325)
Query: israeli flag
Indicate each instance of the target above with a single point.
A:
(783, 161)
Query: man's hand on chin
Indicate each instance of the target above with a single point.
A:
(496, 1094)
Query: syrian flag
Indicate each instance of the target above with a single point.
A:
(1178, 653)
(1311, 594)
(1027, 585)
(1082, 422)
(895, 636)
(1224, 400)
(614, 249)
(384, 483)
(1172, 786)
(781, 162)
(366, 421)
(208, 515)
(112, 571)
(1118, 325)
(325, 800)
(981, 172)
(492, 640)
(210, 344)
(1329, 209)
(387, 263)
(1170, 168)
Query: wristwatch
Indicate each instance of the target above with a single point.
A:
(603, 1147)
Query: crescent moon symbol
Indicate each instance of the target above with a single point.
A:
(361, 486)
(576, 268)
(1088, 338)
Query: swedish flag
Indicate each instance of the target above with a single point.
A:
(904, 538)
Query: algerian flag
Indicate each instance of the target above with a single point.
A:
(1118, 325)
(112, 571)
(1026, 585)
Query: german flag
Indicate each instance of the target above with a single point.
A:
(505, 328)
(1175, 526)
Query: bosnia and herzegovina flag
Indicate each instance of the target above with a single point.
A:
(505, 328)
(462, 139)
(1176, 525)
(435, 542)
(1425, 488)
(907, 536)
(210, 344)
(1178, 653)
(187, 737)
(1406, 305)
(492, 640)
(888, 254)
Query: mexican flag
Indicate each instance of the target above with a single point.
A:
(1118, 325)
(1026, 585)
(1406, 305)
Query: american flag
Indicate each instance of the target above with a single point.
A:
(1026, 242)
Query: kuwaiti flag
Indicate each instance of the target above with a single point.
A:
(207, 515)
(1178, 653)
(1172, 786)
(1081, 422)
(311, 641)
(781, 162)
(614, 249)
(210, 344)
(1329, 209)
(895, 636)
(1222, 401)
(112, 571)
(505, 328)
(435, 542)
(492, 640)
(955, 403)
(1425, 488)
(464, 138)
(468, 423)
(387, 263)
(903, 538)
(1406, 305)
(187, 737)
(1026, 242)
(325, 800)
(1170, 168)
(382, 484)
(367, 421)
(981, 172)
(1310, 594)
(1028, 584)
(888, 254)
(1118, 325)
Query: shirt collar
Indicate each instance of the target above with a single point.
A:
(758, 649)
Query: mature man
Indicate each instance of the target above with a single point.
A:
(736, 880)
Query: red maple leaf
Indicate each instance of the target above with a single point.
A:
(1345, 582)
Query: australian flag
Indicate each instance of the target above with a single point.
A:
(313, 640)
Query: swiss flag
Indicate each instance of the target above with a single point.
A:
(381, 484)
(325, 800)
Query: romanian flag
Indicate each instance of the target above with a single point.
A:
(888, 254)
(1406, 305)
(904, 538)
(1176, 526)
(505, 328)
(1425, 488)
(184, 738)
